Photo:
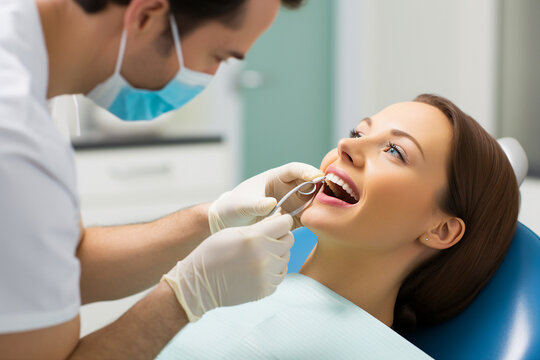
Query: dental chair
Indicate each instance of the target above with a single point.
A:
(503, 321)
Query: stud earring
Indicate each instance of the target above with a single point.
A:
(427, 239)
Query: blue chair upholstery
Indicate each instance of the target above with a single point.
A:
(503, 322)
(304, 242)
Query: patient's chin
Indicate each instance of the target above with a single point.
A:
(305, 218)
(312, 218)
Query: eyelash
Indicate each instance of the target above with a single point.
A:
(354, 134)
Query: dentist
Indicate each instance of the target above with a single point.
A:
(138, 59)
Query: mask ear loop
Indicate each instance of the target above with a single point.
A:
(176, 37)
(117, 68)
(121, 52)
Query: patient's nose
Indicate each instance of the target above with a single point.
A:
(349, 151)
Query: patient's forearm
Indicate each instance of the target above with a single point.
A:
(122, 260)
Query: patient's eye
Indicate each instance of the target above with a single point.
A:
(355, 134)
(395, 150)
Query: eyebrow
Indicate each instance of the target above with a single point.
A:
(368, 120)
(236, 54)
(400, 133)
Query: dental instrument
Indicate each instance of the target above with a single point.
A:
(298, 189)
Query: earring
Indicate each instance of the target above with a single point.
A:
(427, 239)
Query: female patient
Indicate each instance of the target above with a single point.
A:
(417, 212)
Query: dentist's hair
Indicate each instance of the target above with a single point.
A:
(482, 190)
(192, 13)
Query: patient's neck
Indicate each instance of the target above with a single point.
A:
(369, 280)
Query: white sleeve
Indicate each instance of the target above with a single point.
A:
(39, 233)
(39, 208)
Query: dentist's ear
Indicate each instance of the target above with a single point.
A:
(146, 15)
(445, 235)
(329, 159)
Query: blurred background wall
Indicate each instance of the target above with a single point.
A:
(287, 89)
(304, 85)
(518, 105)
(391, 51)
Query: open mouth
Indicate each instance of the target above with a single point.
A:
(335, 187)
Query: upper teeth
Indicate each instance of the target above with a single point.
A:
(339, 181)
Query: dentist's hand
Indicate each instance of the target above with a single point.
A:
(255, 198)
(233, 266)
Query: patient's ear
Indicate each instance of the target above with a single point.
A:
(328, 159)
(446, 234)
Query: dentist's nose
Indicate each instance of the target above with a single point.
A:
(350, 151)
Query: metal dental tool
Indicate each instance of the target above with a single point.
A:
(298, 189)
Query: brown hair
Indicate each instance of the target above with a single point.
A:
(482, 190)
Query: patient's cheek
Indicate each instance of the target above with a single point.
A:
(329, 159)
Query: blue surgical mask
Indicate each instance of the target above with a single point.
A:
(128, 103)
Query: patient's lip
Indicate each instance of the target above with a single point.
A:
(329, 200)
(344, 176)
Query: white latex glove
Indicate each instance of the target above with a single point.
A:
(256, 197)
(233, 266)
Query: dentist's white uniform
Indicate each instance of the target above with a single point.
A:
(39, 208)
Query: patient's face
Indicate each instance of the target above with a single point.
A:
(396, 182)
